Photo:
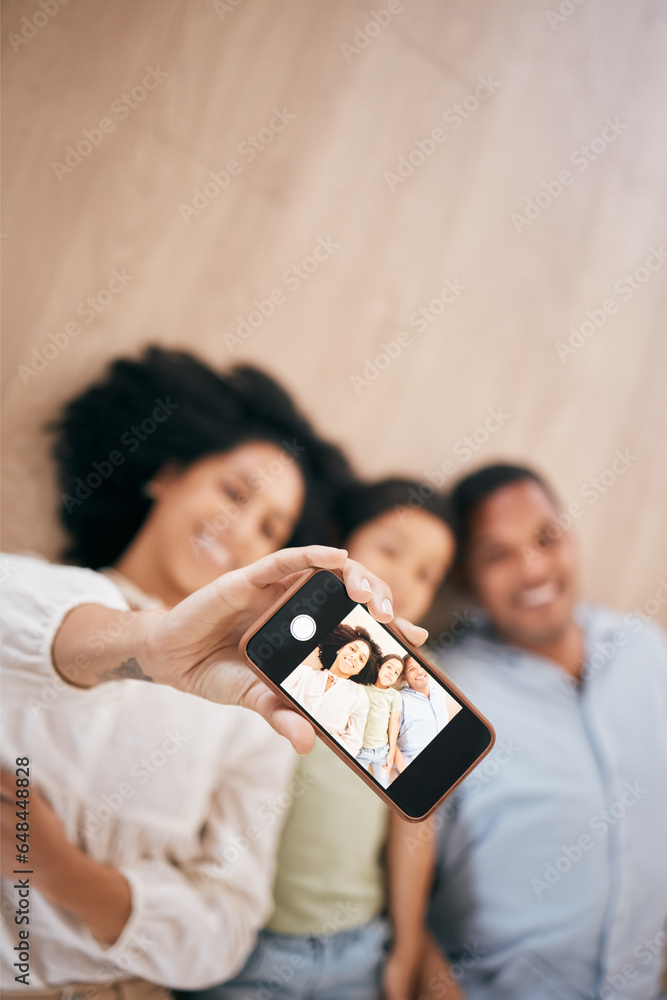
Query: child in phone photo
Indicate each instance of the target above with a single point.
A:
(378, 748)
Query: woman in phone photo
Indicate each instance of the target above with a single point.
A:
(336, 695)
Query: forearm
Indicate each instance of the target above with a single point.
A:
(410, 863)
(394, 721)
(98, 895)
(353, 737)
(96, 644)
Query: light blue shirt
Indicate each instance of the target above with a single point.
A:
(551, 879)
(422, 718)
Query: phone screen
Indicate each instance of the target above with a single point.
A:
(371, 695)
(386, 710)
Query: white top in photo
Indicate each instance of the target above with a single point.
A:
(342, 709)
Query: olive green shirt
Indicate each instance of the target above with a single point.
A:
(383, 701)
(331, 874)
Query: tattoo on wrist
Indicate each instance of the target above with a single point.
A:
(130, 669)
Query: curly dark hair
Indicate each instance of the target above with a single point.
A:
(339, 637)
(109, 444)
(360, 502)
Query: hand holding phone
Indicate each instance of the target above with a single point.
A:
(194, 646)
(409, 733)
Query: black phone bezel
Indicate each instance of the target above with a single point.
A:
(440, 766)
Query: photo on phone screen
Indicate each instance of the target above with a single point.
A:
(411, 734)
(371, 695)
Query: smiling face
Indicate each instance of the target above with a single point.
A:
(221, 513)
(416, 676)
(389, 673)
(351, 658)
(411, 550)
(522, 566)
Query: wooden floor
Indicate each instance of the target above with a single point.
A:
(499, 166)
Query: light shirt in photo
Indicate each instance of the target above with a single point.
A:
(422, 718)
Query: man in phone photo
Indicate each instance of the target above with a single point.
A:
(424, 713)
(551, 875)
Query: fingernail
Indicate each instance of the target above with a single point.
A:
(365, 585)
(387, 608)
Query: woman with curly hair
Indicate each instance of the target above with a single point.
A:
(171, 475)
(330, 695)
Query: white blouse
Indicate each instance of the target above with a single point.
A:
(342, 709)
(184, 797)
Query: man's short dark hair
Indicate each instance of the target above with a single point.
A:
(469, 493)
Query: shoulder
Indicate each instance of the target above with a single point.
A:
(407, 696)
(360, 694)
(395, 700)
(31, 573)
(476, 654)
(304, 670)
(610, 632)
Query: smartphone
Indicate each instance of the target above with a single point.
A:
(363, 686)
